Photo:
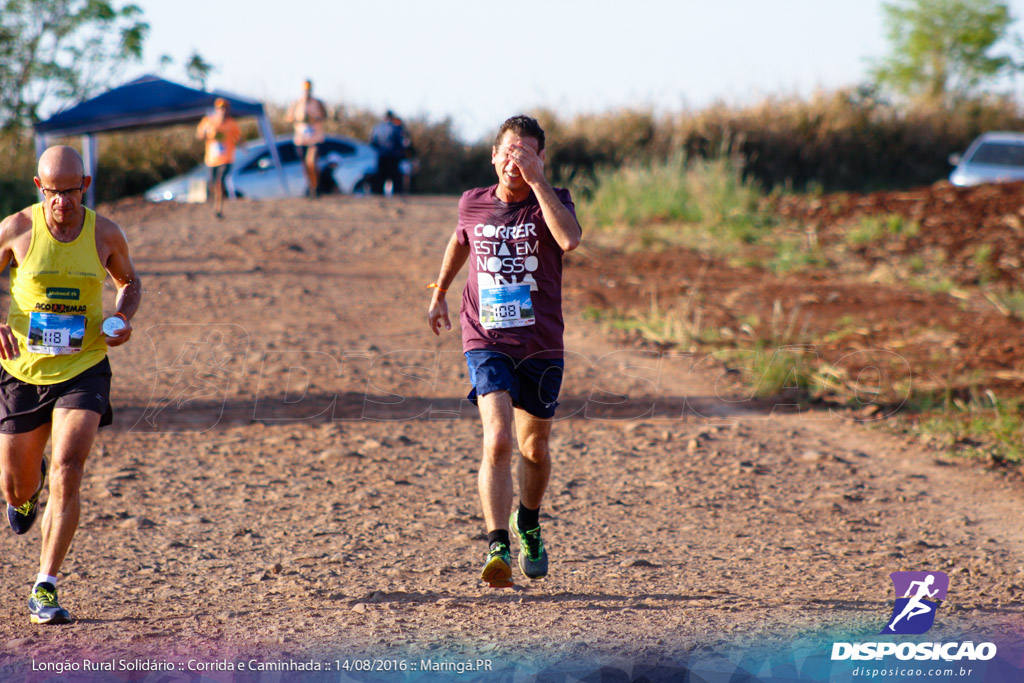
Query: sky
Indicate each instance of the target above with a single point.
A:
(478, 62)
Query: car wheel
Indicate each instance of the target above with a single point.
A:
(363, 186)
(326, 184)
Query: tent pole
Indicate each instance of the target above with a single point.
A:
(89, 151)
(268, 137)
(41, 142)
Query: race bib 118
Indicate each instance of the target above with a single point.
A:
(55, 334)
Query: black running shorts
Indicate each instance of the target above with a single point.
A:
(217, 175)
(25, 407)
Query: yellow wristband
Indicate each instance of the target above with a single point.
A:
(434, 285)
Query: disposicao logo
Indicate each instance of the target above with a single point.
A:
(919, 595)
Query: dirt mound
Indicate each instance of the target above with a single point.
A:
(928, 342)
(874, 306)
(976, 232)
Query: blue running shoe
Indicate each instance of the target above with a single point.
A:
(497, 571)
(533, 558)
(22, 518)
(43, 607)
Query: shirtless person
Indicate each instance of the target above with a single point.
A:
(308, 114)
(55, 376)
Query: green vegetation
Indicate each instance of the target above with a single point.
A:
(942, 50)
(61, 49)
(871, 229)
(977, 425)
(642, 193)
(705, 204)
(680, 323)
(1008, 302)
(785, 361)
(844, 140)
(57, 52)
(790, 254)
(985, 263)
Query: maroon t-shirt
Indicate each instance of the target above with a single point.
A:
(513, 297)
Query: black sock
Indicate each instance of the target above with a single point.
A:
(497, 536)
(528, 519)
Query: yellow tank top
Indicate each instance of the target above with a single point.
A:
(57, 305)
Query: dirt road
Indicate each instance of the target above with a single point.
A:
(290, 482)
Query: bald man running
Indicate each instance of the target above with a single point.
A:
(54, 372)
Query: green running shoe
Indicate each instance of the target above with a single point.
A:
(43, 607)
(533, 558)
(22, 517)
(497, 571)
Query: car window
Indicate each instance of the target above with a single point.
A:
(263, 161)
(337, 147)
(288, 152)
(256, 164)
(999, 154)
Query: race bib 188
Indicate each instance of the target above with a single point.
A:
(506, 306)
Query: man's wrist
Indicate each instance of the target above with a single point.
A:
(540, 184)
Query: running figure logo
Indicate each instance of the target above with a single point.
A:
(921, 594)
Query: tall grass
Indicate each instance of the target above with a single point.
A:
(841, 140)
(694, 201)
(641, 193)
(979, 424)
(846, 139)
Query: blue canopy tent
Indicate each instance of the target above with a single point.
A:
(146, 102)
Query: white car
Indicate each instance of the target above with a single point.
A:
(345, 166)
(992, 158)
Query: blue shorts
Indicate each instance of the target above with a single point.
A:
(533, 383)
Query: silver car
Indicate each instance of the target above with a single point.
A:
(992, 158)
(345, 166)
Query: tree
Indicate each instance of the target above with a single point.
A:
(195, 69)
(198, 70)
(942, 50)
(55, 51)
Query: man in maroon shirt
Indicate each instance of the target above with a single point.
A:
(513, 235)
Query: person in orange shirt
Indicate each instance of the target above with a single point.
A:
(308, 114)
(221, 134)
